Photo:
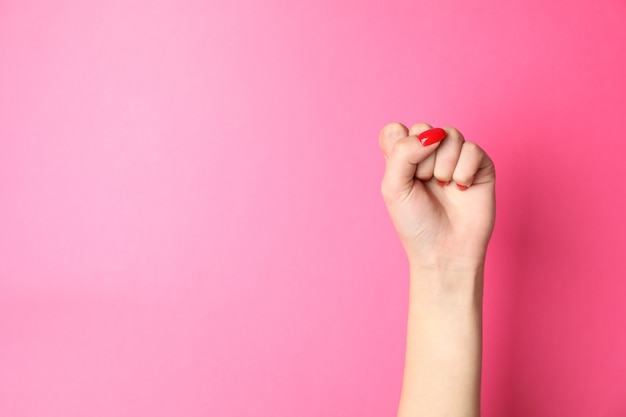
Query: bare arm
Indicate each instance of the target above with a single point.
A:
(441, 199)
(443, 349)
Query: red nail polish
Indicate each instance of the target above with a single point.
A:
(461, 187)
(443, 183)
(431, 136)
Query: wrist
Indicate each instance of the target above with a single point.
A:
(443, 263)
(459, 281)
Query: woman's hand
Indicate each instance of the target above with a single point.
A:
(440, 196)
(441, 199)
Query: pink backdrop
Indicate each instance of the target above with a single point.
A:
(190, 216)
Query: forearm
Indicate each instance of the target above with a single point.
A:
(444, 343)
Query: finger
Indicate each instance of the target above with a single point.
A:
(389, 135)
(407, 153)
(473, 167)
(425, 168)
(448, 155)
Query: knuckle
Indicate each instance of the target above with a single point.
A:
(472, 147)
(402, 146)
(463, 179)
(454, 134)
(393, 129)
(443, 176)
(419, 127)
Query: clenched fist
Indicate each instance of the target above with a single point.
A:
(440, 194)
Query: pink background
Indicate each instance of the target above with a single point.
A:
(190, 215)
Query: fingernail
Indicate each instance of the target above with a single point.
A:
(443, 183)
(461, 187)
(431, 136)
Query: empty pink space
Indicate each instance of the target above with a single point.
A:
(190, 215)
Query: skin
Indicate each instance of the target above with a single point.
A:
(445, 232)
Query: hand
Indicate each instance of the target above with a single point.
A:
(439, 221)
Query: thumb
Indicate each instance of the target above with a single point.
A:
(389, 135)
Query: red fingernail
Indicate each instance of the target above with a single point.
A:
(461, 187)
(431, 136)
(443, 183)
